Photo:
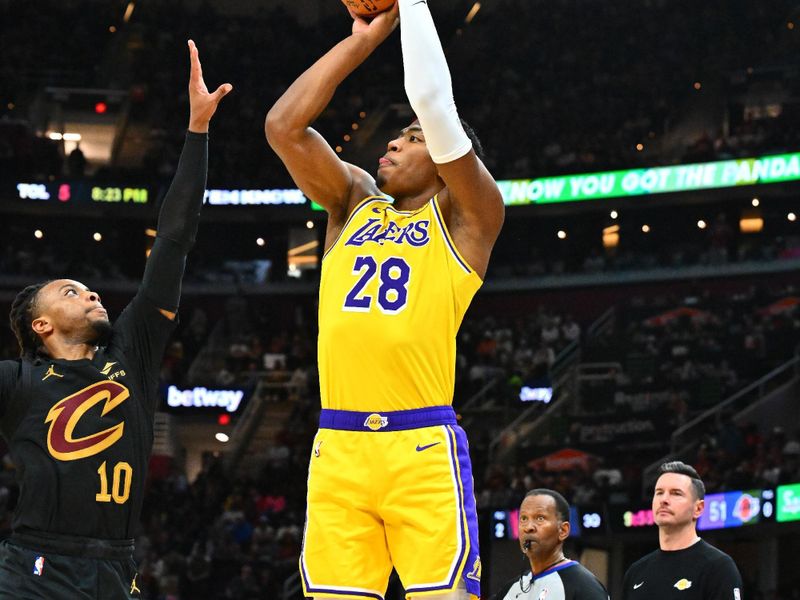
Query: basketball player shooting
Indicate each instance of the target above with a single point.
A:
(77, 407)
(390, 482)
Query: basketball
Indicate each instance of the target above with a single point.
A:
(368, 8)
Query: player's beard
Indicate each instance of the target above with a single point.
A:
(100, 332)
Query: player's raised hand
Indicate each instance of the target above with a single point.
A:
(202, 104)
(380, 26)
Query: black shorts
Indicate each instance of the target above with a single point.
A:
(27, 574)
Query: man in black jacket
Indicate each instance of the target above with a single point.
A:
(77, 407)
(684, 566)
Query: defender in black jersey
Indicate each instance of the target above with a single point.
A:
(543, 528)
(77, 407)
(684, 567)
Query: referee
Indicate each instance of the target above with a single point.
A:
(543, 528)
(77, 407)
(684, 566)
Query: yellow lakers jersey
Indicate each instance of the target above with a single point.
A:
(393, 293)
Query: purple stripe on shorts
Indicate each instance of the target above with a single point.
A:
(460, 461)
(473, 583)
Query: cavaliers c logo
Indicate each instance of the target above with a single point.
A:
(64, 416)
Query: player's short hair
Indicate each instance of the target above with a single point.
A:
(562, 506)
(681, 468)
(23, 312)
(477, 146)
(473, 137)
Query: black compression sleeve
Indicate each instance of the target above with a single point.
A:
(177, 225)
(180, 210)
(163, 274)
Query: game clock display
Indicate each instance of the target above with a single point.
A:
(736, 509)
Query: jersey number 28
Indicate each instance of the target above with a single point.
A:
(393, 274)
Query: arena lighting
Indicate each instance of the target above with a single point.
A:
(260, 241)
(150, 232)
(755, 202)
(562, 235)
(339, 149)
(697, 85)
(221, 437)
(97, 237)
(128, 12)
(611, 236)
(613, 214)
(112, 29)
(762, 170)
(296, 252)
(362, 115)
(751, 224)
(639, 147)
(645, 228)
(472, 12)
(38, 234)
(309, 224)
(792, 217)
(701, 224)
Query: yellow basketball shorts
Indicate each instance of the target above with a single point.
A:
(385, 490)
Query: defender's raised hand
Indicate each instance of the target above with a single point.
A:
(202, 104)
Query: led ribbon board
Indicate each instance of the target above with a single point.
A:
(734, 509)
(658, 180)
(788, 503)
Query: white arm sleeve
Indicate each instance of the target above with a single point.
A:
(428, 84)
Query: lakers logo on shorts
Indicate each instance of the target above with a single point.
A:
(475, 573)
(375, 422)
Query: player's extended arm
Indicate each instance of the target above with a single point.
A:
(314, 166)
(180, 210)
(476, 209)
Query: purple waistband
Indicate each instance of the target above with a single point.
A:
(398, 420)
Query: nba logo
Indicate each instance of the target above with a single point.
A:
(38, 566)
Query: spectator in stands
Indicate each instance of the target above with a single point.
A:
(76, 162)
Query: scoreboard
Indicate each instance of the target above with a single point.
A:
(736, 509)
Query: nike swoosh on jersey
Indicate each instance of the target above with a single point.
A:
(421, 448)
(636, 586)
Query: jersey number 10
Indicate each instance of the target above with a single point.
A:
(120, 483)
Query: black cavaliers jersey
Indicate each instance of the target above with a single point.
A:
(81, 431)
(699, 572)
